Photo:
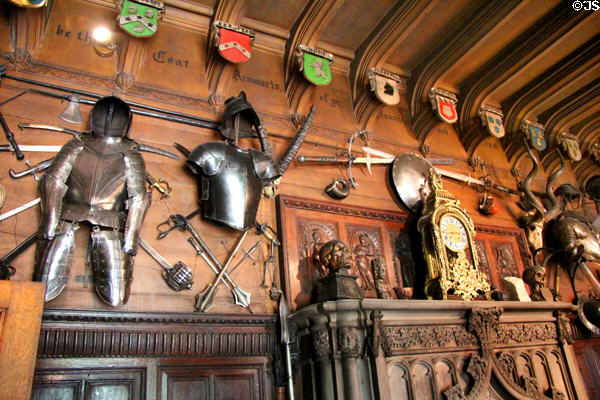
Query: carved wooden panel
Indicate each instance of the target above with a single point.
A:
(306, 225)
(92, 384)
(21, 305)
(224, 380)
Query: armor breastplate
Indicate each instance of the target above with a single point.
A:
(97, 190)
(232, 180)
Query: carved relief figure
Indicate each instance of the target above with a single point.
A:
(365, 243)
(363, 252)
(380, 279)
(505, 260)
(484, 262)
(312, 235)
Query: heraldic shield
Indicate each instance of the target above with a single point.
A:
(492, 119)
(315, 64)
(29, 3)
(140, 18)
(570, 145)
(535, 134)
(385, 86)
(233, 42)
(444, 103)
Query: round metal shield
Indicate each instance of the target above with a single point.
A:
(592, 188)
(409, 178)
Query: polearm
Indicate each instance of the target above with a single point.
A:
(284, 321)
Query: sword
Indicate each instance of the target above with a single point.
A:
(284, 322)
(11, 139)
(36, 148)
(6, 270)
(159, 184)
(19, 209)
(178, 277)
(141, 146)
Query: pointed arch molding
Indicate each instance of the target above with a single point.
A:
(514, 57)
(459, 41)
(555, 78)
(307, 31)
(577, 102)
(218, 71)
(375, 50)
(484, 331)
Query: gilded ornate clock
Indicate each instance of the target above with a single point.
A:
(448, 245)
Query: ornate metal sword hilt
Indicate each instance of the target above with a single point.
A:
(159, 184)
(179, 277)
(176, 221)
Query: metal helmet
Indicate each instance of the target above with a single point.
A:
(110, 117)
(247, 118)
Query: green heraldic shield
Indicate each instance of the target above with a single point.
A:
(315, 64)
(140, 18)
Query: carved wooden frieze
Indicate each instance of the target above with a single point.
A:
(67, 333)
(396, 339)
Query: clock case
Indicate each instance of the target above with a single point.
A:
(449, 273)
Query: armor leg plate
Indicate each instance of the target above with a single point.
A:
(113, 268)
(53, 260)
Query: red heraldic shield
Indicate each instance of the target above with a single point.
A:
(234, 46)
(446, 110)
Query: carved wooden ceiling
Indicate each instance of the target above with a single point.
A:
(534, 59)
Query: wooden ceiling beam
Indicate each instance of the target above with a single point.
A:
(460, 40)
(513, 58)
(385, 39)
(551, 81)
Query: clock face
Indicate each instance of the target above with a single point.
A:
(453, 232)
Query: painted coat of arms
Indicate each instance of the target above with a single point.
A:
(139, 18)
(535, 134)
(233, 42)
(29, 3)
(570, 145)
(385, 85)
(444, 103)
(315, 64)
(491, 118)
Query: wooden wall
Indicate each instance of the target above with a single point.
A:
(175, 70)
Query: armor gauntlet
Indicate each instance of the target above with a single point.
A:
(53, 187)
(138, 202)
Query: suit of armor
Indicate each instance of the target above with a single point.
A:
(99, 179)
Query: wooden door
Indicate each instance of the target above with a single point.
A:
(21, 306)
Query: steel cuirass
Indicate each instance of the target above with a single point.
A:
(98, 179)
(231, 181)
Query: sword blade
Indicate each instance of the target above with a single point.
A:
(34, 148)
(19, 209)
(154, 254)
